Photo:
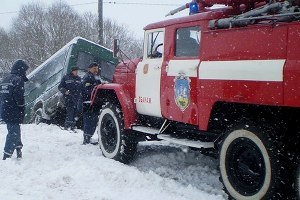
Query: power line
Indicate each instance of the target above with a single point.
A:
(12, 12)
(144, 4)
(128, 3)
(107, 2)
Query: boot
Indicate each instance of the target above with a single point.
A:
(6, 156)
(19, 154)
(86, 140)
(73, 130)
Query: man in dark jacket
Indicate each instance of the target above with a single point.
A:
(13, 107)
(90, 117)
(70, 87)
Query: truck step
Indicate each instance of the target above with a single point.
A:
(186, 142)
(145, 129)
(173, 139)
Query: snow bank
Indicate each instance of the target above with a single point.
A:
(56, 165)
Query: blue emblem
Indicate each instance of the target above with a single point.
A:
(182, 91)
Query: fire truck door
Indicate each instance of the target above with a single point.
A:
(148, 75)
(181, 77)
(182, 87)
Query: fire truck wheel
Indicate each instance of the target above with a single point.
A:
(113, 141)
(250, 165)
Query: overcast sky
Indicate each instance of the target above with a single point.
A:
(128, 12)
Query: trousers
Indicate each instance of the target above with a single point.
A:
(90, 120)
(13, 138)
(70, 117)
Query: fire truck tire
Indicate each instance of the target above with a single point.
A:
(250, 165)
(113, 141)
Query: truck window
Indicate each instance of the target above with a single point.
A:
(155, 44)
(187, 42)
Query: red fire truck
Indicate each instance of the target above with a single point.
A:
(222, 80)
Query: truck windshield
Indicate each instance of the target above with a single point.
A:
(155, 44)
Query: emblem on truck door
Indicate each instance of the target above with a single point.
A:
(182, 91)
(146, 68)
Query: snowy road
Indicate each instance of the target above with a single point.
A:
(56, 166)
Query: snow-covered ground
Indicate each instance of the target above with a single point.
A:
(56, 165)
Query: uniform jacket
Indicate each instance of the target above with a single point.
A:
(72, 84)
(12, 93)
(88, 83)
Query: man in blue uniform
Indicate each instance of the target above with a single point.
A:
(13, 107)
(90, 117)
(70, 87)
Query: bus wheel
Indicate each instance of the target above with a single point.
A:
(113, 140)
(250, 165)
(37, 118)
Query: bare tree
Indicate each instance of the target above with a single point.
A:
(112, 30)
(90, 27)
(5, 53)
(28, 36)
(131, 46)
(62, 25)
(37, 33)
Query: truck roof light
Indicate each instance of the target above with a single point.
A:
(194, 8)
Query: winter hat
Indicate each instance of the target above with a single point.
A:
(94, 64)
(20, 67)
(74, 68)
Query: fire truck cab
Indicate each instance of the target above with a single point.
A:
(224, 81)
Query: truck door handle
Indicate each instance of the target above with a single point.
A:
(193, 68)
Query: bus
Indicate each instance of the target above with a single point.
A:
(44, 102)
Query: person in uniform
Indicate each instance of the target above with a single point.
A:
(90, 117)
(70, 87)
(13, 107)
(185, 44)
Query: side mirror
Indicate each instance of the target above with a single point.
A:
(116, 47)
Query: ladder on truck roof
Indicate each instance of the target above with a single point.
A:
(246, 12)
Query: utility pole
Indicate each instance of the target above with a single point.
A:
(100, 19)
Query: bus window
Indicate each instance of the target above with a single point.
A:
(107, 70)
(54, 70)
(84, 59)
